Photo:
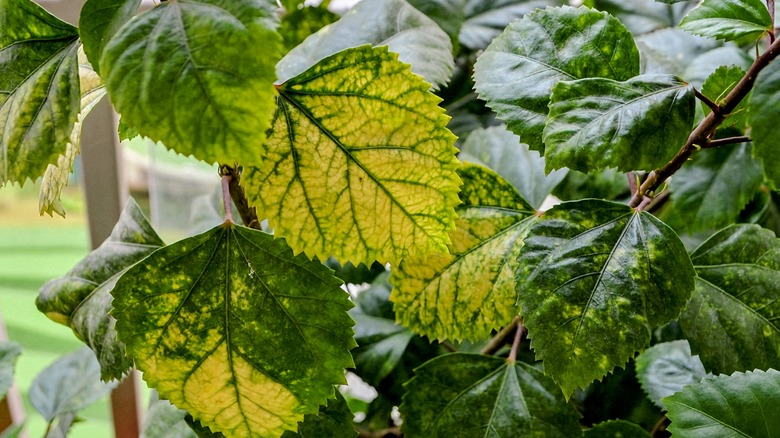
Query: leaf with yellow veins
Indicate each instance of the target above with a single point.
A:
(233, 328)
(471, 291)
(359, 163)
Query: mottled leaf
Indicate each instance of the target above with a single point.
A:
(717, 86)
(297, 25)
(762, 112)
(333, 420)
(596, 277)
(233, 328)
(188, 73)
(732, 318)
(665, 368)
(360, 165)
(645, 16)
(740, 405)
(9, 352)
(80, 299)
(616, 429)
(99, 21)
(485, 19)
(467, 395)
(517, 72)
(728, 19)
(471, 291)
(502, 151)
(39, 89)
(417, 39)
(164, 420)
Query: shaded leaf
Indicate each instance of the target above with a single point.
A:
(646, 16)
(163, 420)
(731, 320)
(670, 51)
(39, 89)
(99, 21)
(448, 14)
(616, 429)
(171, 76)
(704, 64)
(360, 165)
(607, 184)
(762, 110)
(485, 19)
(597, 123)
(417, 39)
(349, 273)
(467, 395)
(738, 405)
(9, 352)
(517, 72)
(471, 291)
(229, 326)
(297, 25)
(596, 277)
(728, 19)
(666, 368)
(717, 86)
(200, 430)
(333, 420)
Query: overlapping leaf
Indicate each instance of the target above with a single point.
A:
(448, 14)
(417, 39)
(80, 299)
(671, 51)
(360, 164)
(485, 19)
(39, 89)
(233, 328)
(616, 429)
(728, 19)
(333, 420)
(597, 123)
(299, 24)
(517, 72)
(596, 277)
(465, 395)
(163, 419)
(646, 16)
(732, 318)
(189, 73)
(99, 21)
(9, 352)
(666, 368)
(717, 86)
(471, 291)
(745, 405)
(762, 110)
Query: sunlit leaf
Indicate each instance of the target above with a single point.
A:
(517, 72)
(665, 368)
(762, 108)
(39, 89)
(80, 299)
(360, 165)
(9, 352)
(189, 74)
(233, 328)
(728, 19)
(485, 19)
(466, 395)
(597, 123)
(99, 21)
(717, 86)
(471, 291)
(333, 420)
(732, 318)
(616, 429)
(595, 278)
(740, 405)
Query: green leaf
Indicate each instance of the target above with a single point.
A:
(608, 184)
(360, 164)
(738, 405)
(671, 51)
(417, 39)
(99, 21)
(702, 65)
(68, 385)
(616, 429)
(297, 25)
(502, 151)
(596, 277)
(233, 328)
(762, 111)
(39, 89)
(645, 16)
(333, 420)
(80, 299)
(163, 419)
(468, 395)
(597, 123)
(717, 86)
(517, 72)
(728, 19)
(471, 291)
(173, 76)
(731, 320)
(13, 431)
(448, 14)
(9, 352)
(666, 368)
(485, 19)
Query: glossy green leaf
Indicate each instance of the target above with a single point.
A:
(467, 395)
(68, 385)
(448, 14)
(517, 72)
(471, 291)
(80, 299)
(728, 19)
(171, 75)
(502, 151)
(39, 89)
(616, 429)
(417, 39)
(717, 86)
(233, 328)
(333, 420)
(162, 419)
(99, 21)
(597, 123)
(596, 277)
(762, 111)
(297, 25)
(360, 164)
(740, 405)
(9, 352)
(665, 368)
(732, 318)
(485, 19)
(645, 16)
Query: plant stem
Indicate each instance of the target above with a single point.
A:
(449, 347)
(632, 183)
(700, 137)
(226, 197)
(713, 106)
(659, 426)
(497, 341)
(770, 4)
(516, 343)
(724, 141)
(248, 214)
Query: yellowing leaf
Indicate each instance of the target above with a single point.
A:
(359, 164)
(233, 328)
